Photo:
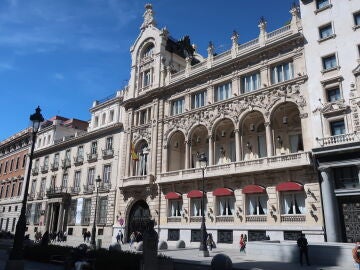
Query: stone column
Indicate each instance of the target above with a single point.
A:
(186, 154)
(237, 145)
(211, 151)
(269, 141)
(48, 215)
(61, 215)
(331, 210)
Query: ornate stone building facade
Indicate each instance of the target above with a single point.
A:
(247, 109)
(69, 155)
(13, 165)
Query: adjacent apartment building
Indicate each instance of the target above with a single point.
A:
(248, 110)
(332, 52)
(69, 156)
(13, 168)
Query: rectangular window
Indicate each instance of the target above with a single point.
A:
(33, 186)
(222, 92)
(80, 152)
(11, 165)
(103, 201)
(42, 185)
(23, 161)
(337, 127)
(333, 94)
(296, 143)
(96, 121)
(53, 181)
(196, 207)
(72, 212)
(293, 203)
(357, 18)
(198, 99)
(326, 31)
(147, 78)
(109, 143)
(225, 236)
(225, 205)
(175, 208)
(94, 148)
(46, 161)
(86, 211)
(91, 176)
(37, 213)
(329, 62)
(13, 190)
(281, 73)
(107, 173)
(111, 116)
(178, 106)
(67, 154)
(7, 191)
(56, 160)
(19, 189)
(17, 163)
(257, 205)
(250, 82)
(346, 177)
(64, 180)
(6, 165)
(77, 178)
(322, 3)
(143, 117)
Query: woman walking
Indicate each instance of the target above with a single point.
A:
(242, 244)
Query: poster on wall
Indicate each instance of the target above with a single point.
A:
(79, 208)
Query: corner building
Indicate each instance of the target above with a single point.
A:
(247, 110)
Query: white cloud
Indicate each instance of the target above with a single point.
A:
(59, 76)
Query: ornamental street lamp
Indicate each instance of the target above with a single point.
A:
(93, 232)
(203, 247)
(16, 256)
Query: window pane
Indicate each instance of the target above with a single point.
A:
(326, 31)
(357, 18)
(337, 128)
(333, 94)
(329, 62)
(322, 3)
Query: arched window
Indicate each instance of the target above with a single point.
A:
(148, 51)
(141, 164)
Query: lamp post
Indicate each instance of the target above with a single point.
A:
(93, 232)
(16, 256)
(203, 247)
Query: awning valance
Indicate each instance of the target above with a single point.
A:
(289, 186)
(173, 196)
(223, 192)
(250, 189)
(195, 194)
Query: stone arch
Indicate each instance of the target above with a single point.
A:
(215, 124)
(176, 151)
(144, 45)
(140, 157)
(199, 142)
(137, 210)
(244, 114)
(223, 133)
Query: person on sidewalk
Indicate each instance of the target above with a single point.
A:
(242, 244)
(356, 254)
(303, 248)
(210, 241)
(118, 237)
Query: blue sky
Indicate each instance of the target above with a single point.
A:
(64, 54)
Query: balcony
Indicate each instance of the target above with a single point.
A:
(35, 171)
(196, 219)
(224, 219)
(88, 189)
(174, 219)
(338, 139)
(44, 169)
(31, 196)
(54, 166)
(292, 218)
(104, 187)
(85, 221)
(140, 180)
(66, 163)
(40, 195)
(78, 160)
(56, 191)
(108, 153)
(256, 218)
(74, 190)
(92, 157)
(240, 167)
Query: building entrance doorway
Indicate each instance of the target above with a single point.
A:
(139, 214)
(350, 217)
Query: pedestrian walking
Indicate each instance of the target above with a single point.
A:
(88, 235)
(242, 244)
(356, 254)
(121, 237)
(303, 249)
(210, 242)
(84, 235)
(118, 238)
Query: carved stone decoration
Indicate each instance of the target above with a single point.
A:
(333, 108)
(143, 133)
(263, 101)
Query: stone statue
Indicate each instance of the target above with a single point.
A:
(148, 17)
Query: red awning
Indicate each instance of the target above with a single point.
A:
(223, 192)
(250, 189)
(289, 186)
(195, 194)
(173, 196)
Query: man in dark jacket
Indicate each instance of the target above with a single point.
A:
(303, 248)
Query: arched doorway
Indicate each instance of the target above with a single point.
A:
(139, 214)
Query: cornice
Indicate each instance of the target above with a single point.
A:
(77, 140)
